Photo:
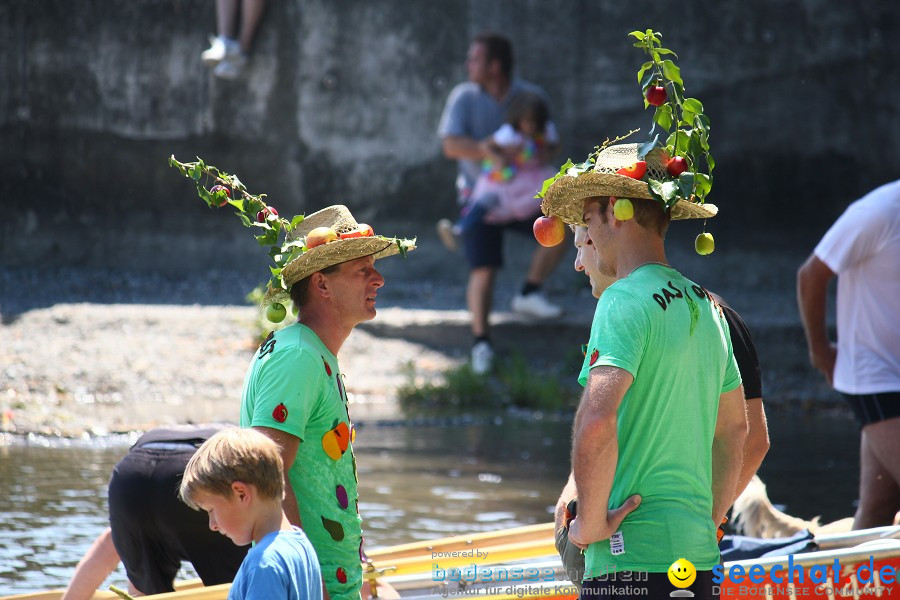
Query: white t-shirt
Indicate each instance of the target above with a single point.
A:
(863, 249)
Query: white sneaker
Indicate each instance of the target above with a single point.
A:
(231, 67)
(536, 305)
(447, 233)
(219, 47)
(482, 358)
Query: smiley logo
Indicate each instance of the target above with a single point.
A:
(682, 573)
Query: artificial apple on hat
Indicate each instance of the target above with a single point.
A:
(549, 231)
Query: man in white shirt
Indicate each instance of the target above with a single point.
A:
(862, 249)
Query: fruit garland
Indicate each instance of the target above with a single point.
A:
(681, 118)
(254, 212)
(251, 209)
(687, 142)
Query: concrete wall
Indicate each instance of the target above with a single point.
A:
(343, 97)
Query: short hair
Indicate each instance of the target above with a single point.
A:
(234, 454)
(649, 214)
(300, 290)
(526, 104)
(497, 47)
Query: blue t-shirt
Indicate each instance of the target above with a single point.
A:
(282, 565)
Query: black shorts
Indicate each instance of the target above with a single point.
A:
(872, 408)
(483, 242)
(647, 586)
(153, 530)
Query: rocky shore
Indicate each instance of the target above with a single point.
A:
(93, 350)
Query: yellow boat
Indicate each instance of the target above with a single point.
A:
(418, 558)
(507, 565)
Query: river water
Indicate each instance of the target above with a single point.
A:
(416, 482)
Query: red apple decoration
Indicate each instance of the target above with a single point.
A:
(220, 188)
(264, 214)
(319, 236)
(635, 171)
(677, 166)
(549, 231)
(656, 95)
(362, 230)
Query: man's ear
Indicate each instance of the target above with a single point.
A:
(242, 491)
(318, 284)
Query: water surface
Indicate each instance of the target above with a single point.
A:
(416, 482)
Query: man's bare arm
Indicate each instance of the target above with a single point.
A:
(93, 569)
(728, 450)
(289, 444)
(567, 495)
(595, 452)
(812, 290)
(757, 444)
(465, 148)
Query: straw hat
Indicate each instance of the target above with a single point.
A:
(338, 218)
(564, 197)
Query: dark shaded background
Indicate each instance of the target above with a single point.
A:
(342, 100)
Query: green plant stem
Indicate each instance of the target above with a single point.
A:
(227, 181)
(678, 111)
(121, 593)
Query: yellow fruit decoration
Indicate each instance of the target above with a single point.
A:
(331, 446)
(623, 209)
(704, 244)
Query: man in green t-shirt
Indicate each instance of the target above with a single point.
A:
(294, 390)
(659, 433)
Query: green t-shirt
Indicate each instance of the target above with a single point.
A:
(664, 330)
(294, 384)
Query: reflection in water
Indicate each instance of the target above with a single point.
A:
(416, 483)
(52, 507)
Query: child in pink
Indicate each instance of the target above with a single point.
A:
(505, 190)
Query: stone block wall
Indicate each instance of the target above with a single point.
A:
(342, 100)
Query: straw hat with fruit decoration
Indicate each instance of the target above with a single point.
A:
(309, 244)
(332, 236)
(675, 172)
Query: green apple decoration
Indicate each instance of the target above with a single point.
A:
(276, 312)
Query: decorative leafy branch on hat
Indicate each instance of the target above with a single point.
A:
(687, 142)
(252, 211)
(574, 170)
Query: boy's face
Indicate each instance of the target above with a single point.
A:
(228, 516)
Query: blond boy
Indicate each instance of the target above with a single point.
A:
(237, 477)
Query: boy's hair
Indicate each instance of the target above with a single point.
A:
(234, 454)
(649, 214)
(528, 104)
(497, 47)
